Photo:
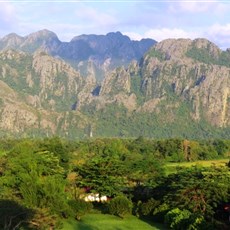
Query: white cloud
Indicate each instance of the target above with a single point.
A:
(6, 11)
(133, 35)
(222, 30)
(220, 34)
(164, 33)
(96, 17)
(7, 16)
(197, 7)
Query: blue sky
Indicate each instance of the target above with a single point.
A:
(137, 19)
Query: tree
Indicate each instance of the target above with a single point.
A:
(36, 179)
(199, 190)
(145, 171)
(184, 219)
(104, 175)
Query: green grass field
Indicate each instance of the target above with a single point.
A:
(109, 222)
(172, 167)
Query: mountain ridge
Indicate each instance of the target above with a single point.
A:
(106, 52)
(180, 88)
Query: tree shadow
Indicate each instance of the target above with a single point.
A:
(154, 223)
(13, 215)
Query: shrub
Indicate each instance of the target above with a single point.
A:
(148, 207)
(184, 219)
(79, 207)
(160, 212)
(177, 218)
(120, 206)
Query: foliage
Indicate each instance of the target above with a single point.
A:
(148, 207)
(177, 218)
(104, 175)
(204, 55)
(120, 206)
(136, 88)
(145, 171)
(195, 187)
(201, 55)
(156, 53)
(79, 208)
(59, 148)
(34, 177)
(184, 219)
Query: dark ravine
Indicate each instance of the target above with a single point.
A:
(180, 88)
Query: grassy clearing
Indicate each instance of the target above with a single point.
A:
(109, 222)
(172, 167)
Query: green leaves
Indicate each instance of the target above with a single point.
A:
(120, 206)
(102, 175)
(199, 189)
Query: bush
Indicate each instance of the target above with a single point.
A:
(80, 208)
(120, 206)
(184, 219)
(148, 207)
(160, 211)
(177, 218)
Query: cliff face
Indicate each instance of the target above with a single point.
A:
(178, 86)
(171, 66)
(172, 72)
(37, 92)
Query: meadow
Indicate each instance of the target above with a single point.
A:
(109, 222)
(172, 167)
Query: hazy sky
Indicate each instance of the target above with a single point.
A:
(138, 19)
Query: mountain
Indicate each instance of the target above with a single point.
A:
(179, 88)
(104, 52)
(36, 93)
(43, 39)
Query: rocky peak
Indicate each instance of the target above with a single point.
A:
(41, 35)
(173, 48)
(11, 41)
(105, 51)
(118, 36)
(10, 36)
(42, 39)
(204, 44)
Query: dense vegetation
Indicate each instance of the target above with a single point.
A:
(44, 181)
(117, 121)
(205, 56)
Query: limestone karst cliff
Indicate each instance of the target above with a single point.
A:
(180, 88)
